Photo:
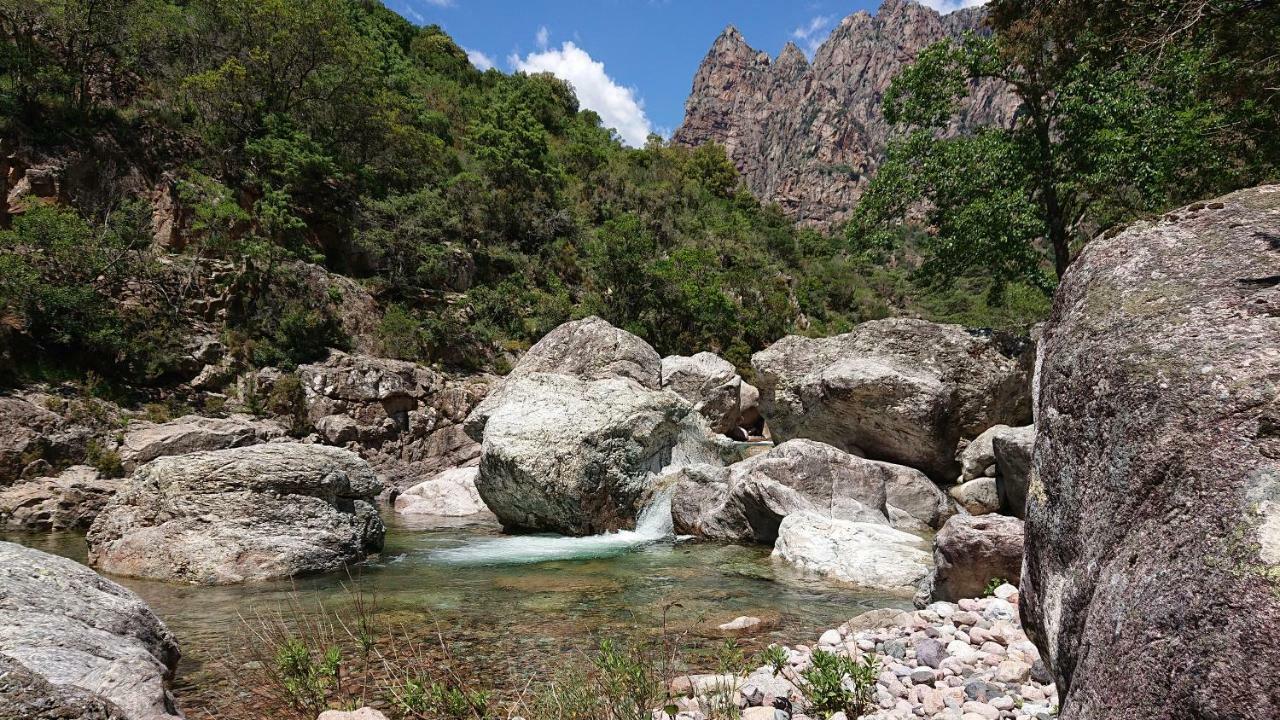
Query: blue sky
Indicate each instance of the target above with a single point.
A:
(632, 61)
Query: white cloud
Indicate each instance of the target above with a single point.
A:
(440, 3)
(543, 37)
(480, 60)
(811, 34)
(617, 106)
(947, 6)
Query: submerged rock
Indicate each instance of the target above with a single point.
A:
(904, 391)
(1152, 576)
(866, 554)
(452, 493)
(87, 639)
(229, 516)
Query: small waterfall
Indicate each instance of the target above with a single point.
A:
(653, 525)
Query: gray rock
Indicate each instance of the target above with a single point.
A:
(452, 493)
(592, 349)
(244, 514)
(25, 695)
(1012, 449)
(930, 652)
(978, 455)
(146, 441)
(1148, 574)
(69, 501)
(61, 621)
(711, 383)
(30, 431)
(873, 556)
(405, 419)
(969, 552)
(577, 456)
(747, 501)
(904, 391)
(977, 497)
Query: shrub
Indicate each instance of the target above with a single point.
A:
(105, 460)
(835, 683)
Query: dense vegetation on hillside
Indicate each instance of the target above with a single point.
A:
(480, 209)
(1126, 109)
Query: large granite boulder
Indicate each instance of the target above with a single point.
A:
(580, 456)
(747, 501)
(76, 645)
(869, 555)
(593, 349)
(244, 514)
(1012, 449)
(1152, 576)
(405, 419)
(452, 493)
(969, 552)
(712, 384)
(69, 501)
(146, 441)
(904, 391)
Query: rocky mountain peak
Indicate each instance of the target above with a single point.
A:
(807, 135)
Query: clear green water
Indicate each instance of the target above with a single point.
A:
(511, 621)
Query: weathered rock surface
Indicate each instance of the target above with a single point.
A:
(711, 383)
(866, 554)
(405, 419)
(592, 349)
(25, 695)
(969, 552)
(69, 501)
(1012, 449)
(904, 391)
(146, 441)
(747, 501)
(978, 458)
(88, 638)
(244, 514)
(579, 456)
(977, 497)
(452, 493)
(31, 433)
(809, 136)
(1150, 578)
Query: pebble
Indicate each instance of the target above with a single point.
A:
(830, 637)
(922, 675)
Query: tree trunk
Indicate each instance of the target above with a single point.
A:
(1054, 217)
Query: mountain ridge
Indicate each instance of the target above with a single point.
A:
(807, 134)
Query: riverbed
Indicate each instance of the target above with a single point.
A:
(510, 608)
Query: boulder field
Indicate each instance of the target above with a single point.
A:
(903, 391)
(1152, 572)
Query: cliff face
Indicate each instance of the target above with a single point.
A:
(807, 136)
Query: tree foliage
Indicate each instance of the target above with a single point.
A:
(1123, 109)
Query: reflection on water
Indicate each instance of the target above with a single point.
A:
(512, 606)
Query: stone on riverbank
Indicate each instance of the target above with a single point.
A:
(865, 554)
(592, 349)
(1013, 448)
(244, 514)
(146, 441)
(712, 384)
(971, 551)
(904, 391)
(1151, 581)
(73, 638)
